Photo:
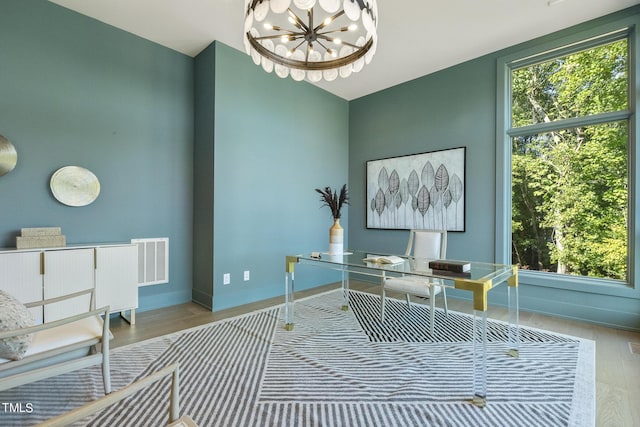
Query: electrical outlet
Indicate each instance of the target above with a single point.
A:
(246, 275)
(226, 279)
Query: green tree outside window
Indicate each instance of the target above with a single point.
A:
(570, 198)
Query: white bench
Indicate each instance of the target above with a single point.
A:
(61, 346)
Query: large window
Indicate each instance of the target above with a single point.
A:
(569, 159)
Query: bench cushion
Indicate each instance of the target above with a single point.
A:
(14, 315)
(68, 334)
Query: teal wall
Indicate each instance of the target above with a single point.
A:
(451, 108)
(203, 200)
(74, 91)
(222, 157)
(274, 142)
(149, 122)
(448, 109)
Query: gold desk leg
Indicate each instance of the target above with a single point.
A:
(478, 336)
(479, 401)
(514, 314)
(345, 292)
(289, 278)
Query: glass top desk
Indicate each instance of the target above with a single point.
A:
(482, 278)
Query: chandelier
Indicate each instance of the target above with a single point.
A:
(306, 41)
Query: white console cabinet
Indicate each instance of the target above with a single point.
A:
(34, 274)
(117, 278)
(65, 272)
(20, 275)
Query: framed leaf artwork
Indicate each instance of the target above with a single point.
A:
(423, 191)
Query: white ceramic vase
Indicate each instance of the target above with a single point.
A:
(336, 238)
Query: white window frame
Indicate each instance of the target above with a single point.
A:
(547, 50)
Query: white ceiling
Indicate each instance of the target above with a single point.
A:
(416, 37)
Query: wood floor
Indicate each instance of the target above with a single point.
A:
(617, 368)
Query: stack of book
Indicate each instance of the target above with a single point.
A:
(449, 266)
(41, 237)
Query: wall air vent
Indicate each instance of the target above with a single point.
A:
(153, 261)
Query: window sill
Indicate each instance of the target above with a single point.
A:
(578, 283)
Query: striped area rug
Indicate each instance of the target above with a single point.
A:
(335, 369)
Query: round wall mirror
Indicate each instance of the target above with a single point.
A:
(8, 156)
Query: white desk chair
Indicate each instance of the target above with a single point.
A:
(430, 245)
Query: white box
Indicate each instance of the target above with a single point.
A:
(41, 231)
(40, 242)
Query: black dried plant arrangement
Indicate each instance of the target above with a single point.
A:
(334, 200)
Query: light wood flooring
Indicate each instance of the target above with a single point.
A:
(617, 368)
